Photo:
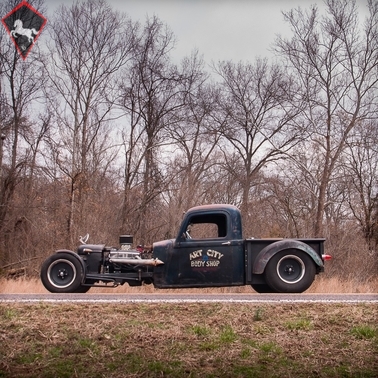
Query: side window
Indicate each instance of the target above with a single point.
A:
(203, 231)
(208, 226)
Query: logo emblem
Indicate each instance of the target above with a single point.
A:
(208, 260)
(24, 24)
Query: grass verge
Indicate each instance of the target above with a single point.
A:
(188, 340)
(321, 285)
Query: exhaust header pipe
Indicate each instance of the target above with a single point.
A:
(148, 262)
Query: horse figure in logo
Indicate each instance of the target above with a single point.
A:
(28, 33)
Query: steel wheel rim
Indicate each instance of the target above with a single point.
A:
(291, 269)
(61, 273)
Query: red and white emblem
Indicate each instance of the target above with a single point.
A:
(24, 24)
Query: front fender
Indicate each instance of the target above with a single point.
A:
(78, 258)
(269, 251)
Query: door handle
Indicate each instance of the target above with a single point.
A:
(226, 243)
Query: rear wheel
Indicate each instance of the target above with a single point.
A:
(290, 271)
(262, 288)
(62, 273)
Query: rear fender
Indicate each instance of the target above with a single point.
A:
(269, 251)
(78, 258)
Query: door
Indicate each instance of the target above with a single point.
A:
(207, 257)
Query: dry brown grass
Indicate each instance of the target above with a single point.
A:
(321, 285)
(188, 340)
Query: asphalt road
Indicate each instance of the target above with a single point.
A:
(190, 298)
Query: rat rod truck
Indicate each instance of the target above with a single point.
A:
(209, 251)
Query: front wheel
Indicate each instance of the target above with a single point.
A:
(290, 271)
(82, 289)
(62, 273)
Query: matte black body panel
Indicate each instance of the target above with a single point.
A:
(209, 251)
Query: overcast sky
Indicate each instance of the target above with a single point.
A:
(220, 29)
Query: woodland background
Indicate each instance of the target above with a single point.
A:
(102, 131)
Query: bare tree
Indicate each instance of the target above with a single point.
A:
(194, 140)
(154, 90)
(294, 192)
(256, 119)
(21, 85)
(195, 146)
(91, 44)
(360, 174)
(335, 63)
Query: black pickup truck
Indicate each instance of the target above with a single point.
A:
(209, 251)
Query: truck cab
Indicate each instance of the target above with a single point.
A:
(208, 250)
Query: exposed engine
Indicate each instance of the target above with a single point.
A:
(105, 260)
(128, 256)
